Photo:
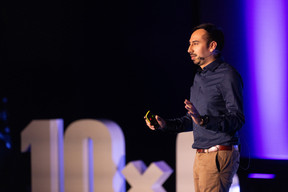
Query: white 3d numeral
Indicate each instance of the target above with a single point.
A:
(45, 139)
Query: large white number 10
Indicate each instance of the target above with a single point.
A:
(89, 164)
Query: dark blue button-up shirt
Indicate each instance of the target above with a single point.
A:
(217, 93)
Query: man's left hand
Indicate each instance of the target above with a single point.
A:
(193, 112)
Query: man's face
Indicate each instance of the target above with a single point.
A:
(199, 51)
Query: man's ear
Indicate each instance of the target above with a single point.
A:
(212, 46)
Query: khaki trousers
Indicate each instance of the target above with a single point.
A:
(214, 171)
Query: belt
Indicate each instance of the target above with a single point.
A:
(218, 148)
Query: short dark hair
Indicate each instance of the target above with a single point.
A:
(214, 34)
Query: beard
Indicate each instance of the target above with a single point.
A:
(197, 61)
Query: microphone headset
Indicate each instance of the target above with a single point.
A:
(214, 52)
(203, 58)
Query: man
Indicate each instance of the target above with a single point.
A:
(214, 112)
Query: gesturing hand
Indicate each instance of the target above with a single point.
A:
(193, 112)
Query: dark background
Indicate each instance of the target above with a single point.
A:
(107, 59)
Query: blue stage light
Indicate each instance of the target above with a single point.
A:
(261, 176)
(267, 38)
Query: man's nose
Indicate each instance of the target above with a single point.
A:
(189, 49)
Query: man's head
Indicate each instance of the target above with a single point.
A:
(206, 44)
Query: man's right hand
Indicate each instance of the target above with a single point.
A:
(161, 122)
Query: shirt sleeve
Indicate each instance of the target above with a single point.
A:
(178, 125)
(231, 89)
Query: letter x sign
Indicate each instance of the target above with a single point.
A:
(143, 179)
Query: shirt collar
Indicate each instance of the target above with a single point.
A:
(212, 66)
